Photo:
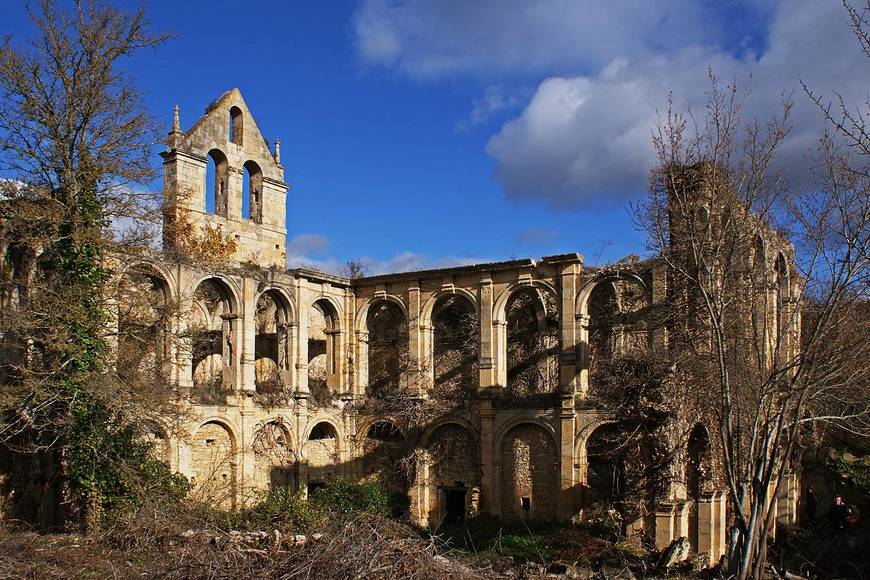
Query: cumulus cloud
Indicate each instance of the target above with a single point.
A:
(586, 138)
(428, 38)
(606, 69)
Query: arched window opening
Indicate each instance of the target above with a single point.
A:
(237, 126)
(455, 337)
(617, 321)
(384, 431)
(273, 456)
(271, 343)
(605, 475)
(213, 323)
(323, 336)
(252, 192)
(217, 183)
(532, 343)
(388, 348)
(322, 431)
(143, 322)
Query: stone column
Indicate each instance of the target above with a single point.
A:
(719, 524)
(566, 501)
(659, 295)
(582, 355)
(665, 524)
(247, 329)
(301, 347)
(487, 362)
(706, 528)
(183, 355)
(415, 342)
(489, 468)
(681, 519)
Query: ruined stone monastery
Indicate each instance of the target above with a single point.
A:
(464, 388)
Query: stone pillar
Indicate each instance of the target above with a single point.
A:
(566, 501)
(247, 472)
(415, 342)
(247, 329)
(681, 519)
(665, 524)
(183, 355)
(659, 295)
(582, 385)
(570, 329)
(706, 528)
(301, 349)
(487, 362)
(489, 464)
(787, 500)
(718, 517)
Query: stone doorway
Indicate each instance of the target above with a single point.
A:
(453, 500)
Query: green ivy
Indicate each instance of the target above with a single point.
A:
(854, 469)
(110, 463)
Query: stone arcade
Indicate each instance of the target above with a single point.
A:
(296, 376)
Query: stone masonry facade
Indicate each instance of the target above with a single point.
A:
(464, 388)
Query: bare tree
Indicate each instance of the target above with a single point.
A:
(761, 309)
(74, 139)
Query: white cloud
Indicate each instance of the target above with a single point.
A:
(435, 37)
(304, 244)
(603, 69)
(587, 138)
(493, 100)
(310, 251)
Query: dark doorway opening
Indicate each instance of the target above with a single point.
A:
(313, 486)
(454, 506)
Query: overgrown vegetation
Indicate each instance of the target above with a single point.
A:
(74, 136)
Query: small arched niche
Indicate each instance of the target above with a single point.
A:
(236, 126)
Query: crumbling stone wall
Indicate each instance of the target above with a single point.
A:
(453, 458)
(213, 464)
(530, 473)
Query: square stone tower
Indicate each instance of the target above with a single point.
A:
(221, 173)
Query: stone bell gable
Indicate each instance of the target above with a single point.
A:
(221, 173)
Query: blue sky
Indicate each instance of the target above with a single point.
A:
(423, 133)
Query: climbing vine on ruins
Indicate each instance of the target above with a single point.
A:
(68, 423)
